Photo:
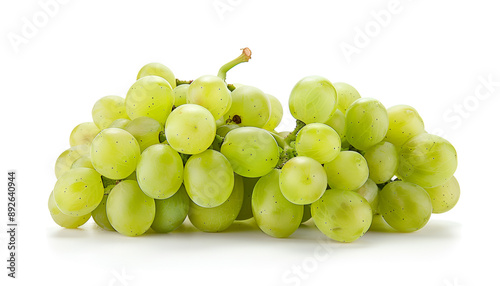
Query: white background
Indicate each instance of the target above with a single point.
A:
(433, 55)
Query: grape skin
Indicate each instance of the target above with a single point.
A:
(218, 218)
(68, 157)
(274, 214)
(276, 113)
(83, 134)
(210, 92)
(319, 142)
(444, 197)
(382, 159)
(160, 70)
(313, 99)
(190, 129)
(115, 153)
(346, 95)
(405, 206)
(366, 123)
(62, 219)
(129, 210)
(348, 171)
(108, 109)
(427, 160)
(170, 213)
(302, 180)
(78, 191)
(208, 178)
(250, 107)
(252, 152)
(343, 216)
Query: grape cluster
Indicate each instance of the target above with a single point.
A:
(208, 150)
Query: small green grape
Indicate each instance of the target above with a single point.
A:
(346, 95)
(78, 191)
(83, 134)
(160, 70)
(276, 113)
(218, 218)
(171, 212)
(369, 191)
(146, 131)
(208, 178)
(190, 129)
(274, 214)
(107, 110)
(150, 96)
(319, 142)
(68, 157)
(343, 216)
(348, 171)
(160, 171)
(100, 215)
(250, 107)
(210, 92)
(302, 180)
(129, 210)
(382, 159)
(313, 99)
(180, 94)
(246, 207)
(114, 153)
(404, 123)
(252, 152)
(427, 160)
(366, 123)
(65, 220)
(405, 206)
(444, 197)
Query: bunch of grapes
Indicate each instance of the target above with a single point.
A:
(208, 150)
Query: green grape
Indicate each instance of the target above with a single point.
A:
(276, 113)
(160, 171)
(210, 92)
(146, 131)
(346, 95)
(120, 123)
(129, 210)
(208, 178)
(250, 107)
(302, 180)
(405, 206)
(68, 157)
(190, 129)
(180, 94)
(382, 159)
(78, 191)
(274, 214)
(83, 134)
(224, 129)
(366, 123)
(369, 191)
(252, 152)
(246, 207)
(100, 215)
(379, 224)
(348, 171)
(318, 141)
(313, 99)
(158, 70)
(107, 110)
(404, 123)
(218, 218)
(150, 96)
(337, 122)
(343, 216)
(427, 160)
(62, 219)
(444, 197)
(115, 153)
(171, 212)
(83, 162)
(307, 214)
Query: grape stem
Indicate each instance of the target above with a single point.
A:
(245, 56)
(289, 145)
